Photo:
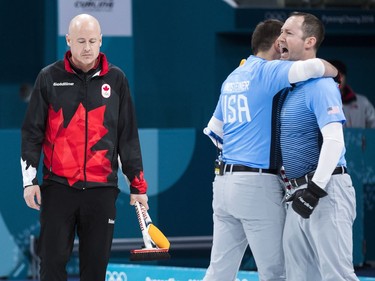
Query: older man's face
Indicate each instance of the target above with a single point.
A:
(85, 40)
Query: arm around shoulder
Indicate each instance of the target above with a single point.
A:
(311, 68)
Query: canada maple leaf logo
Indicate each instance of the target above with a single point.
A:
(106, 91)
(68, 150)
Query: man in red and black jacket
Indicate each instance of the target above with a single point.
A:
(359, 111)
(82, 117)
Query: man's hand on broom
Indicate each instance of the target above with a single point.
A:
(141, 198)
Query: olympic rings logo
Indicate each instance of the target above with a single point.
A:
(275, 15)
(115, 276)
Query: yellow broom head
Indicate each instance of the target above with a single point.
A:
(158, 237)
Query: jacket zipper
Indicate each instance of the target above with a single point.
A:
(86, 134)
(53, 150)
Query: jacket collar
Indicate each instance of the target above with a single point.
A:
(102, 64)
(348, 95)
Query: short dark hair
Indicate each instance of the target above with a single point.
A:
(265, 34)
(311, 27)
(341, 66)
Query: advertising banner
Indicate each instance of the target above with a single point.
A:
(115, 16)
(118, 272)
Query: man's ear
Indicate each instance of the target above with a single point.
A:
(276, 46)
(67, 40)
(310, 42)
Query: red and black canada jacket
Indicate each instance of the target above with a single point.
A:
(85, 124)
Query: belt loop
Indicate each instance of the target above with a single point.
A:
(307, 178)
(231, 168)
(342, 170)
(260, 171)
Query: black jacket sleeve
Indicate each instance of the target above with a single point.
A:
(33, 131)
(129, 145)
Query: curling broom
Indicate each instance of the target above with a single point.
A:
(156, 245)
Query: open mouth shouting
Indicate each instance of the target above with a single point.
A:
(284, 52)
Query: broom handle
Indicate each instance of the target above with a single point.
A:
(146, 216)
(142, 225)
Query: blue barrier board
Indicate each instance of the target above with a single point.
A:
(126, 272)
(122, 272)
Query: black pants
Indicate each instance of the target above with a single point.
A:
(64, 211)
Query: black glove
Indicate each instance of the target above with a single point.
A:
(305, 200)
